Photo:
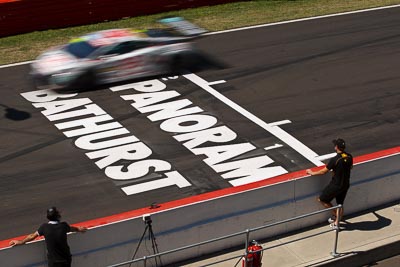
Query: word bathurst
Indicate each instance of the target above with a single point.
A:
(123, 156)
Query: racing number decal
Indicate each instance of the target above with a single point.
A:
(130, 63)
(130, 66)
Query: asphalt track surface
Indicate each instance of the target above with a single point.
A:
(331, 77)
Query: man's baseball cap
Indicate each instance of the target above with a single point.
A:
(340, 143)
(53, 214)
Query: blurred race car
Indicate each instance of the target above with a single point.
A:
(116, 55)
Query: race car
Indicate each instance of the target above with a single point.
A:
(116, 55)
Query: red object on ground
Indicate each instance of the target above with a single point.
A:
(254, 256)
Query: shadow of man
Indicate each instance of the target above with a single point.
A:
(380, 223)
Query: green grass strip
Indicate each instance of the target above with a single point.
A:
(215, 18)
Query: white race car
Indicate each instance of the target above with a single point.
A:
(115, 55)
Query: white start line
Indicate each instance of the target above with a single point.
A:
(272, 128)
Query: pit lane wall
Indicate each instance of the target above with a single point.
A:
(22, 16)
(375, 181)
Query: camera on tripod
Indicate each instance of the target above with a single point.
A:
(146, 218)
(149, 229)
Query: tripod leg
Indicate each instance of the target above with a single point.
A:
(140, 242)
(154, 245)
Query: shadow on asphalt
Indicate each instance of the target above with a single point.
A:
(15, 114)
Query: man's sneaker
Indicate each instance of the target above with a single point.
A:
(331, 220)
(334, 226)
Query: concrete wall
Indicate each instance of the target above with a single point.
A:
(22, 16)
(373, 183)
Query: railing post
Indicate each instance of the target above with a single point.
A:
(337, 229)
(246, 247)
(339, 211)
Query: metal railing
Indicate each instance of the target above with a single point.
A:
(247, 242)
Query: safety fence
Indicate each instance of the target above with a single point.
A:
(23, 16)
(253, 253)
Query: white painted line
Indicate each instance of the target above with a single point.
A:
(274, 130)
(272, 147)
(304, 19)
(217, 82)
(263, 25)
(15, 64)
(277, 123)
(327, 156)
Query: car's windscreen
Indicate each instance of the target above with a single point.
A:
(80, 49)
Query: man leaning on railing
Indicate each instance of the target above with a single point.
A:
(341, 166)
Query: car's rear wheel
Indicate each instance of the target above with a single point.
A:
(177, 64)
(86, 81)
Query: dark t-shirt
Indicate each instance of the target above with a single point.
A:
(56, 241)
(341, 166)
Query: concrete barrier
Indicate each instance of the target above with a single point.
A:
(375, 181)
(22, 16)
